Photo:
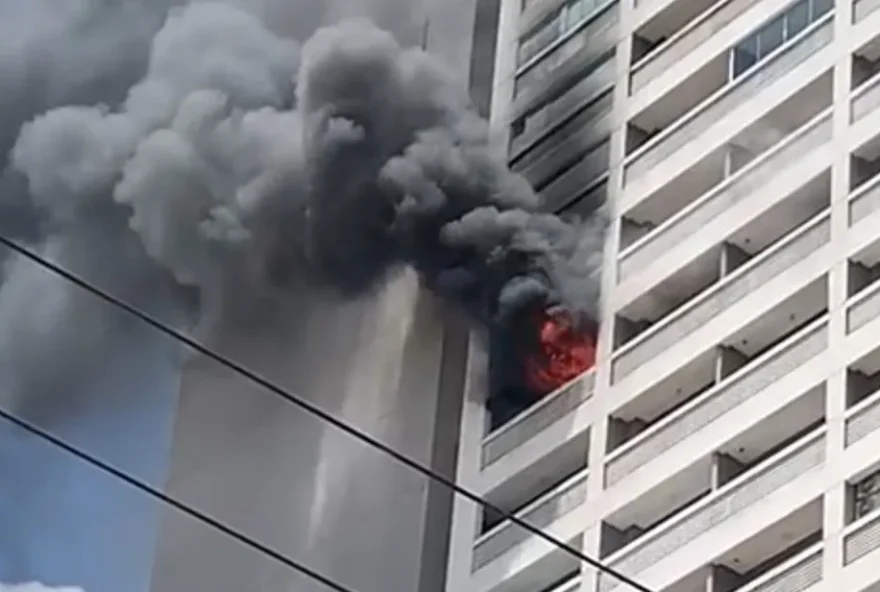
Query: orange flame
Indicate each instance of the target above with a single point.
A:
(564, 353)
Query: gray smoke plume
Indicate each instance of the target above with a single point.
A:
(240, 159)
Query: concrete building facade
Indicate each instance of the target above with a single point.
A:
(727, 439)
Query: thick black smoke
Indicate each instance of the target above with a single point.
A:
(239, 153)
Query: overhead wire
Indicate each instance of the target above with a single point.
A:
(313, 410)
(173, 502)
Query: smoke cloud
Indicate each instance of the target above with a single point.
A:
(197, 149)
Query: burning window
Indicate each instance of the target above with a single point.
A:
(563, 353)
(533, 356)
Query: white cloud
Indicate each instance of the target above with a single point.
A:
(36, 587)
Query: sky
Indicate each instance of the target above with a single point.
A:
(63, 521)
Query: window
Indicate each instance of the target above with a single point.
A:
(518, 127)
(567, 18)
(559, 100)
(775, 33)
(745, 55)
(771, 36)
(820, 8)
(576, 12)
(797, 18)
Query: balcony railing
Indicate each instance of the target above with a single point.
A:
(537, 418)
(748, 382)
(543, 122)
(547, 161)
(863, 538)
(862, 8)
(864, 201)
(862, 419)
(575, 134)
(541, 514)
(720, 297)
(532, 98)
(711, 112)
(724, 504)
(686, 41)
(571, 585)
(865, 99)
(795, 575)
(576, 180)
(587, 40)
(757, 174)
(863, 309)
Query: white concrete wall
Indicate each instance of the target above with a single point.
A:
(842, 461)
(255, 462)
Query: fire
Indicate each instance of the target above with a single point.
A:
(563, 353)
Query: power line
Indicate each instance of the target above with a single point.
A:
(173, 502)
(314, 410)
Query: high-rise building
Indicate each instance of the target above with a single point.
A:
(727, 438)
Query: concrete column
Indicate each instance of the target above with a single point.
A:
(260, 465)
(834, 500)
(604, 392)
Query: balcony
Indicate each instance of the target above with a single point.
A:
(589, 38)
(862, 8)
(570, 158)
(757, 430)
(797, 574)
(767, 479)
(582, 109)
(795, 568)
(863, 267)
(757, 141)
(717, 115)
(534, 420)
(566, 186)
(864, 201)
(685, 41)
(545, 26)
(708, 305)
(861, 537)
(781, 160)
(862, 419)
(736, 390)
(865, 99)
(541, 514)
(864, 308)
(573, 81)
(571, 584)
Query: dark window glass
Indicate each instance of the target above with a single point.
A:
(518, 127)
(797, 18)
(745, 54)
(821, 7)
(771, 36)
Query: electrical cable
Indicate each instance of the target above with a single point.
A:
(314, 410)
(175, 503)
